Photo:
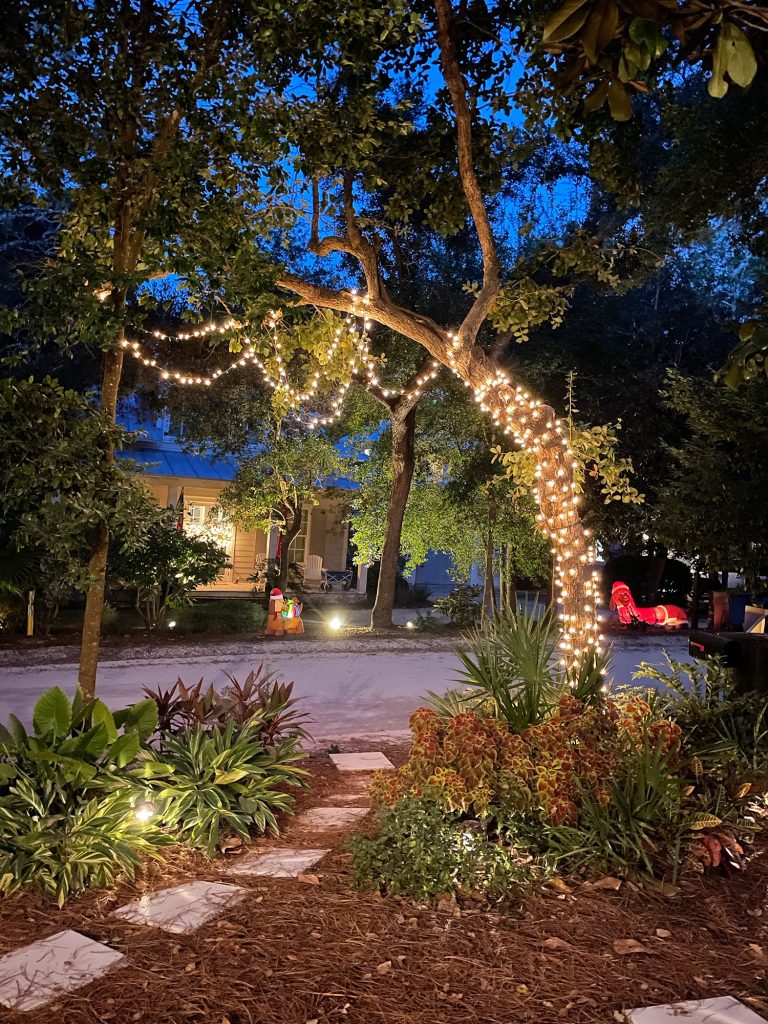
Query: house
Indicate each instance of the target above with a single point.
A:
(193, 481)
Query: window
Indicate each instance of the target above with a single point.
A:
(298, 547)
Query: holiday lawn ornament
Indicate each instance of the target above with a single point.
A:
(284, 615)
(667, 615)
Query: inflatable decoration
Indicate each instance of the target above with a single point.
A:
(284, 615)
(667, 615)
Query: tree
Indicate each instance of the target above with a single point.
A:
(711, 509)
(272, 487)
(166, 567)
(54, 494)
(126, 119)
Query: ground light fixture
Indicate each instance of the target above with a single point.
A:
(409, 625)
(144, 811)
(335, 623)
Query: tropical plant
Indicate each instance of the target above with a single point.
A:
(225, 779)
(262, 700)
(68, 797)
(509, 661)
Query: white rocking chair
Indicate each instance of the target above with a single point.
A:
(315, 573)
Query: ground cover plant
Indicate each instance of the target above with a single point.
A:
(88, 794)
(531, 770)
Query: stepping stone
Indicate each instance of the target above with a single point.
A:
(277, 863)
(36, 974)
(369, 761)
(347, 798)
(184, 908)
(723, 1010)
(324, 818)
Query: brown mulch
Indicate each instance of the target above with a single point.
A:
(315, 950)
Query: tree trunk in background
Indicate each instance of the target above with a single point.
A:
(511, 583)
(658, 563)
(403, 465)
(489, 590)
(97, 563)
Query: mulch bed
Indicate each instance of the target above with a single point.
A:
(315, 950)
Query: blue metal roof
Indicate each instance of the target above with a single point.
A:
(165, 462)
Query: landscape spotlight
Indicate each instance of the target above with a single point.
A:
(335, 623)
(144, 811)
(409, 625)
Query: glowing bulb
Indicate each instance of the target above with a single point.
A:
(335, 623)
(144, 811)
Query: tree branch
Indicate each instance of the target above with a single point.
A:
(454, 79)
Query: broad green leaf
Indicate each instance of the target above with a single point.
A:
(648, 34)
(124, 749)
(566, 21)
(101, 715)
(18, 730)
(740, 59)
(142, 717)
(53, 713)
(717, 86)
(7, 772)
(619, 102)
(234, 775)
(600, 29)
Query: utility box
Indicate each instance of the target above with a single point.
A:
(746, 654)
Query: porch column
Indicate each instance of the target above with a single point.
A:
(362, 578)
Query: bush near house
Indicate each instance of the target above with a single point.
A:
(530, 772)
(198, 770)
(219, 618)
(165, 568)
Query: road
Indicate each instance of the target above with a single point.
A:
(364, 688)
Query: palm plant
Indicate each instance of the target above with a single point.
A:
(510, 663)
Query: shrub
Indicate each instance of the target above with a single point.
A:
(67, 802)
(262, 700)
(165, 568)
(220, 618)
(639, 781)
(204, 781)
(424, 852)
(461, 606)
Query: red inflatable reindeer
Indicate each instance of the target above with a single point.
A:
(667, 615)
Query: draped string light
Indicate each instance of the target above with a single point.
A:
(537, 431)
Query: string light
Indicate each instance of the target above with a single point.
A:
(512, 410)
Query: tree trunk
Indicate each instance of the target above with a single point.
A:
(285, 555)
(403, 465)
(511, 583)
(97, 563)
(489, 590)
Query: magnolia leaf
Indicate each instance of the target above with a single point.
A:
(647, 34)
(597, 97)
(619, 102)
(53, 713)
(717, 86)
(744, 789)
(566, 21)
(600, 29)
(740, 61)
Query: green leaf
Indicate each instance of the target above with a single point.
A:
(7, 772)
(717, 86)
(619, 102)
(648, 34)
(53, 713)
(141, 717)
(566, 21)
(740, 61)
(597, 97)
(125, 749)
(101, 715)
